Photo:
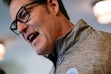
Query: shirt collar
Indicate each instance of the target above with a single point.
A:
(77, 34)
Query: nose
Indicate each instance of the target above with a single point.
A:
(22, 27)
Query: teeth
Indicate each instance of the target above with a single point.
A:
(32, 37)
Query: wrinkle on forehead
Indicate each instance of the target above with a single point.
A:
(15, 6)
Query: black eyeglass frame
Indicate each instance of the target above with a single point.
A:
(14, 23)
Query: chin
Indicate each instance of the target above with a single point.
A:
(41, 48)
(39, 51)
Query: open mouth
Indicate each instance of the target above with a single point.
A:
(33, 36)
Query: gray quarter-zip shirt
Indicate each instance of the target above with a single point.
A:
(85, 50)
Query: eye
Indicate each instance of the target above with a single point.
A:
(14, 25)
(23, 15)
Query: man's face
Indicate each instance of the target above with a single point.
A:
(41, 30)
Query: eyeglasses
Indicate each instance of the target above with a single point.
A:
(23, 16)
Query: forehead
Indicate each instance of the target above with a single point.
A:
(15, 6)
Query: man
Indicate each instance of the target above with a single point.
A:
(74, 49)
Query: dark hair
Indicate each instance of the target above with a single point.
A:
(62, 8)
(7, 2)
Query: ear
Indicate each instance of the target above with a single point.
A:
(53, 6)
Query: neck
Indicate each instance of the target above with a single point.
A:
(66, 25)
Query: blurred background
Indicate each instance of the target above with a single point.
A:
(20, 58)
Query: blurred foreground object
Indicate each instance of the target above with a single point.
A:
(2, 51)
(2, 71)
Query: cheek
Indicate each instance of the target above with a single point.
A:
(37, 15)
(41, 18)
